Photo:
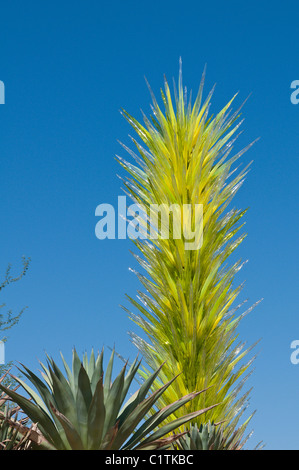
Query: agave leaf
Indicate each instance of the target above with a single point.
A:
(156, 419)
(137, 397)
(85, 361)
(176, 423)
(42, 389)
(98, 371)
(75, 442)
(160, 444)
(108, 375)
(91, 364)
(37, 415)
(131, 374)
(108, 441)
(76, 367)
(83, 401)
(64, 399)
(96, 417)
(68, 373)
(128, 425)
(113, 400)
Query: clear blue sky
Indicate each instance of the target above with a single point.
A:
(68, 67)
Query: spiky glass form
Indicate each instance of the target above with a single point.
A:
(187, 310)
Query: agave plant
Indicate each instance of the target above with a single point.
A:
(187, 313)
(210, 436)
(86, 411)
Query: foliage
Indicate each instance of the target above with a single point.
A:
(14, 435)
(85, 411)
(8, 319)
(210, 436)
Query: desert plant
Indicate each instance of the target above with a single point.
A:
(187, 311)
(14, 433)
(85, 410)
(210, 436)
(9, 319)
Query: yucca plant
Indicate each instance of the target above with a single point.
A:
(187, 312)
(86, 411)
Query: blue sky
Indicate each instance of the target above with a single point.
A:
(68, 68)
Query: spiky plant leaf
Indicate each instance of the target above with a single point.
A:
(211, 436)
(14, 431)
